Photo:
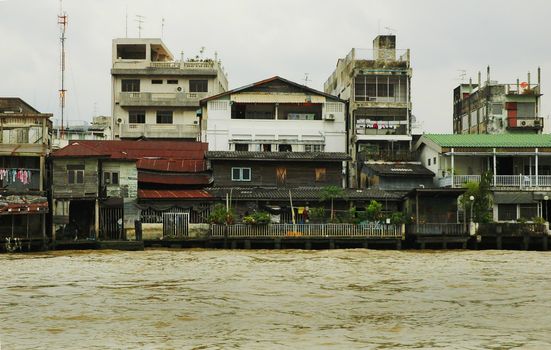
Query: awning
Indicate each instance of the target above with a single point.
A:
(23, 204)
(513, 198)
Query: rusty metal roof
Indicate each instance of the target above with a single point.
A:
(174, 194)
(174, 179)
(296, 156)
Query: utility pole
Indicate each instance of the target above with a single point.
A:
(62, 20)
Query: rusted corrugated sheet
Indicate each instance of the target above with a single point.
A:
(173, 165)
(173, 194)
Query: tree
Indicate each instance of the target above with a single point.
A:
(374, 211)
(331, 193)
(482, 203)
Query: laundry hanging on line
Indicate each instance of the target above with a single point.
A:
(16, 175)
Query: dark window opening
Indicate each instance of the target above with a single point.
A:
(299, 111)
(130, 85)
(198, 86)
(110, 178)
(241, 174)
(156, 81)
(506, 212)
(75, 176)
(266, 147)
(285, 148)
(172, 81)
(253, 111)
(131, 52)
(164, 117)
(136, 117)
(241, 147)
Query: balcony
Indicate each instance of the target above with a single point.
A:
(525, 123)
(391, 156)
(164, 99)
(507, 181)
(164, 131)
(522, 89)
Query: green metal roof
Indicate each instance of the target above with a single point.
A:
(482, 140)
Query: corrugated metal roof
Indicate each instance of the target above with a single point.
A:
(482, 140)
(299, 193)
(174, 179)
(125, 149)
(173, 194)
(172, 165)
(300, 156)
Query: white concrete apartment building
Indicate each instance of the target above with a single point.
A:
(156, 96)
(275, 115)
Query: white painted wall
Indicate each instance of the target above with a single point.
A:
(221, 129)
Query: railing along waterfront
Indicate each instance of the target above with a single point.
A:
(511, 229)
(307, 230)
(520, 181)
(453, 229)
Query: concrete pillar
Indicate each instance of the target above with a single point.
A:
(537, 173)
(277, 243)
(526, 242)
(495, 167)
(545, 243)
(42, 173)
(233, 244)
(453, 166)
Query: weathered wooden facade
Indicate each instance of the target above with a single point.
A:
(25, 142)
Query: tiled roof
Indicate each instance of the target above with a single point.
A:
(482, 140)
(269, 80)
(298, 156)
(174, 179)
(173, 194)
(300, 193)
(399, 169)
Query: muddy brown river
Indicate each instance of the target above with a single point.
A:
(289, 299)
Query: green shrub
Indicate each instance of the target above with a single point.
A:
(257, 218)
(220, 216)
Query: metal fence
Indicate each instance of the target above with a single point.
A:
(175, 225)
(307, 230)
(452, 229)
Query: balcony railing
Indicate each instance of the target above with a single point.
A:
(520, 181)
(184, 65)
(307, 230)
(397, 156)
(159, 131)
(522, 89)
(161, 98)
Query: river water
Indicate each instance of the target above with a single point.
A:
(288, 299)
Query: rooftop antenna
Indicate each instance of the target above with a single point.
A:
(462, 75)
(306, 80)
(126, 22)
(391, 31)
(202, 51)
(62, 20)
(182, 56)
(140, 19)
(162, 27)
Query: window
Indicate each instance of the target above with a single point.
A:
(506, 212)
(75, 173)
(285, 148)
(320, 174)
(164, 117)
(241, 147)
(110, 178)
(428, 161)
(313, 148)
(136, 117)
(172, 81)
(157, 81)
(266, 147)
(198, 86)
(130, 85)
(241, 174)
(528, 211)
(281, 175)
(434, 161)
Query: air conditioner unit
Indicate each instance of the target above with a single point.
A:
(329, 117)
(526, 123)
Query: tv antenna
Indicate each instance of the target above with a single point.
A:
(306, 80)
(462, 75)
(391, 31)
(62, 20)
(140, 20)
(201, 51)
(162, 27)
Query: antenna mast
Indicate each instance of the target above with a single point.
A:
(62, 20)
(140, 19)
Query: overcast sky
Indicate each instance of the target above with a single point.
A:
(257, 39)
